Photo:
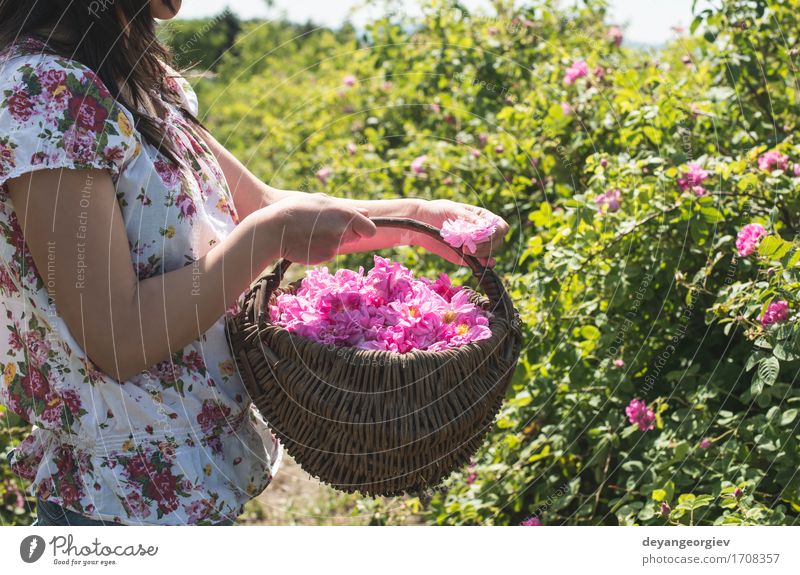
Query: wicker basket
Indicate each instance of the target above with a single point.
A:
(376, 422)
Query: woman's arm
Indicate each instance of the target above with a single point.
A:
(126, 325)
(250, 193)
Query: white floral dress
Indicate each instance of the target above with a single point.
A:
(181, 443)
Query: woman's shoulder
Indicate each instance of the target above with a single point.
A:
(56, 112)
(28, 65)
(180, 87)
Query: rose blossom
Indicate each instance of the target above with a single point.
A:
(418, 165)
(748, 237)
(773, 160)
(638, 413)
(532, 521)
(609, 201)
(693, 179)
(776, 312)
(323, 174)
(386, 309)
(579, 69)
(460, 232)
(615, 35)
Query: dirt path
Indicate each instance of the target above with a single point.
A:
(296, 498)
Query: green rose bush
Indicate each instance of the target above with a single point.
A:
(653, 256)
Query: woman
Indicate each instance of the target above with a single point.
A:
(130, 234)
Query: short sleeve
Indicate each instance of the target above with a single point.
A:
(181, 87)
(56, 113)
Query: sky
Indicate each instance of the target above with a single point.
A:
(647, 21)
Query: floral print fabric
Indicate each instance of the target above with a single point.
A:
(181, 443)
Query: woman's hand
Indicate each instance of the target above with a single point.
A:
(314, 228)
(435, 212)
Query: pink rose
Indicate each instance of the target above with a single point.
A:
(776, 312)
(323, 174)
(418, 165)
(609, 201)
(638, 413)
(773, 160)
(615, 35)
(578, 69)
(748, 238)
(693, 179)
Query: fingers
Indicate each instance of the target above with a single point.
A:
(362, 225)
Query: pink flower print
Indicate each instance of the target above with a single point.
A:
(79, 144)
(87, 112)
(619, 363)
(135, 506)
(71, 400)
(168, 173)
(776, 312)
(773, 160)
(578, 69)
(185, 205)
(7, 160)
(638, 413)
(38, 348)
(53, 409)
(161, 488)
(198, 510)
(52, 79)
(20, 106)
(349, 80)
(35, 384)
(212, 415)
(140, 467)
(748, 238)
(705, 443)
(566, 108)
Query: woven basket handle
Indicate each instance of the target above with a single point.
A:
(487, 278)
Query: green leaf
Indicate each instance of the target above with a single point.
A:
(659, 495)
(768, 369)
(590, 332)
(788, 416)
(773, 247)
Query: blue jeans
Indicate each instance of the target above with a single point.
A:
(50, 514)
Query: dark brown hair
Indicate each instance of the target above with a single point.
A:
(129, 62)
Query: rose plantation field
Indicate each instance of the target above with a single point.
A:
(654, 256)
